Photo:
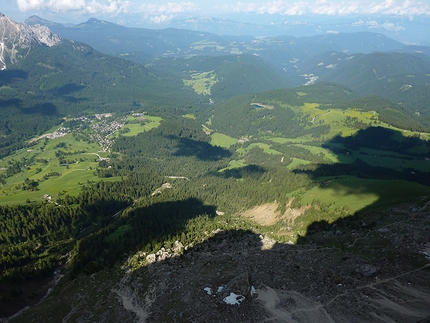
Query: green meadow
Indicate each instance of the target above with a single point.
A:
(42, 169)
(297, 162)
(221, 140)
(53, 167)
(136, 125)
(190, 116)
(233, 164)
(202, 82)
(266, 148)
(204, 44)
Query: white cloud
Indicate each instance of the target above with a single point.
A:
(331, 7)
(81, 6)
(169, 8)
(372, 24)
(161, 19)
(160, 14)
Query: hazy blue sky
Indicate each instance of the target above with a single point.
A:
(155, 11)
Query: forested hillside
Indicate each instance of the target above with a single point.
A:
(222, 77)
(72, 79)
(271, 112)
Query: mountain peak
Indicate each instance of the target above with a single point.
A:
(95, 21)
(33, 18)
(36, 20)
(14, 37)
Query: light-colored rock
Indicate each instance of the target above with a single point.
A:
(16, 40)
(178, 247)
(151, 258)
(266, 242)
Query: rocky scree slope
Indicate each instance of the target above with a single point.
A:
(379, 272)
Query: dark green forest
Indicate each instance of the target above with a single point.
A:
(111, 219)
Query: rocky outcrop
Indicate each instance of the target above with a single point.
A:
(16, 40)
(239, 285)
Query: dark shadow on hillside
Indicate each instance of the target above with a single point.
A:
(68, 88)
(10, 76)
(200, 149)
(45, 109)
(388, 143)
(361, 169)
(67, 91)
(72, 99)
(378, 138)
(10, 103)
(307, 283)
(241, 172)
(136, 229)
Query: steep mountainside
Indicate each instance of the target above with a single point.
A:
(17, 39)
(39, 62)
(366, 68)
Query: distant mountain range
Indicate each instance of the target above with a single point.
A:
(114, 39)
(38, 62)
(190, 65)
(409, 31)
(400, 74)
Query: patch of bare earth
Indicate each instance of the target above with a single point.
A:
(266, 214)
(269, 214)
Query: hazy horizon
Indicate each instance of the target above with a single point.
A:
(405, 21)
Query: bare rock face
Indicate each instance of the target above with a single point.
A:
(45, 36)
(16, 40)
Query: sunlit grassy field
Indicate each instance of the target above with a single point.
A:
(219, 139)
(202, 82)
(52, 178)
(151, 122)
